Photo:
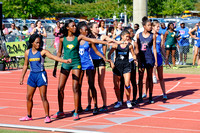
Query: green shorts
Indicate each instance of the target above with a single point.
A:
(71, 66)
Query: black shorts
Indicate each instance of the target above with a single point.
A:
(122, 68)
(99, 62)
(170, 47)
(184, 49)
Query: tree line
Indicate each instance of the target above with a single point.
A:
(92, 8)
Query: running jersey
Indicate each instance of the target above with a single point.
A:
(158, 44)
(36, 61)
(84, 54)
(71, 51)
(145, 47)
(102, 32)
(170, 39)
(57, 38)
(122, 54)
(198, 35)
(99, 48)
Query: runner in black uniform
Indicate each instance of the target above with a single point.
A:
(122, 67)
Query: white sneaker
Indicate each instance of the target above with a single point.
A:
(129, 105)
(181, 63)
(177, 63)
(155, 80)
(184, 63)
(119, 104)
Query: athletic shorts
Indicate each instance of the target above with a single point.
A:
(122, 68)
(159, 59)
(37, 79)
(170, 47)
(88, 67)
(184, 49)
(147, 63)
(99, 62)
(71, 66)
(197, 44)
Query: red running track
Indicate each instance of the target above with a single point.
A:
(179, 114)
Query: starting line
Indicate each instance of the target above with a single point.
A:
(46, 128)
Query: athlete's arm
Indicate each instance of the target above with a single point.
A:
(190, 32)
(163, 46)
(93, 46)
(44, 33)
(53, 57)
(82, 37)
(154, 50)
(133, 54)
(107, 38)
(109, 55)
(59, 53)
(25, 67)
(137, 51)
(165, 36)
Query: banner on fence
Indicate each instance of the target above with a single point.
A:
(16, 48)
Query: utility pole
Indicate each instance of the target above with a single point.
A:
(139, 11)
(70, 2)
(125, 16)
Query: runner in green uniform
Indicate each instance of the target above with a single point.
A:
(70, 44)
(170, 43)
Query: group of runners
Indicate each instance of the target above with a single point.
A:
(84, 51)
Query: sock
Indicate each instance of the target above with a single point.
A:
(128, 87)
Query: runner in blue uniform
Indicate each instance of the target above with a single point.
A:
(144, 44)
(160, 51)
(38, 76)
(197, 45)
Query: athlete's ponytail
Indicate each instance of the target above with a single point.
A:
(64, 30)
(145, 20)
(32, 39)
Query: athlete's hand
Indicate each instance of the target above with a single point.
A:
(140, 69)
(111, 64)
(156, 65)
(54, 72)
(196, 38)
(21, 81)
(69, 61)
(136, 62)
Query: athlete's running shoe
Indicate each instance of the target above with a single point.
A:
(155, 80)
(47, 120)
(58, 115)
(103, 109)
(134, 102)
(140, 100)
(198, 66)
(175, 67)
(164, 97)
(151, 101)
(88, 108)
(193, 66)
(119, 104)
(26, 118)
(79, 110)
(144, 95)
(184, 63)
(76, 117)
(95, 111)
(128, 103)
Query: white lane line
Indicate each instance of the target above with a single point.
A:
(46, 128)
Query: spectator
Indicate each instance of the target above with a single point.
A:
(163, 29)
(117, 32)
(136, 27)
(13, 31)
(102, 28)
(25, 33)
(5, 30)
(31, 29)
(183, 43)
